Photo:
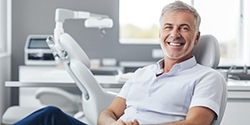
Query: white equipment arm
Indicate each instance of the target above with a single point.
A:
(91, 20)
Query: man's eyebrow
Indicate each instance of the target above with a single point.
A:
(185, 25)
(180, 25)
(168, 24)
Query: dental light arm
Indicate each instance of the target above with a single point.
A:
(91, 20)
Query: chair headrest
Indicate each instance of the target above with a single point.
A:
(207, 51)
(73, 49)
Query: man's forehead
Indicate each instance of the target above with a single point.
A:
(179, 17)
(179, 13)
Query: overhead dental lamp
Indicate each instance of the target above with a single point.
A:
(91, 20)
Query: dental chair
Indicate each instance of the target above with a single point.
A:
(94, 98)
(68, 102)
(207, 53)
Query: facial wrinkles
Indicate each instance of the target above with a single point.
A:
(180, 39)
(176, 47)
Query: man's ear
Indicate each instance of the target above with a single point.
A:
(197, 37)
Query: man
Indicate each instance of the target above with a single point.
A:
(176, 90)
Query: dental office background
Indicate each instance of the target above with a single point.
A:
(228, 21)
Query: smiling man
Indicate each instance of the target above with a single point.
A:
(175, 91)
(179, 33)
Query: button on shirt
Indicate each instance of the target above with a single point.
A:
(153, 99)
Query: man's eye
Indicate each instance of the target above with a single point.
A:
(168, 27)
(184, 29)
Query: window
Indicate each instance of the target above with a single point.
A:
(139, 21)
(219, 19)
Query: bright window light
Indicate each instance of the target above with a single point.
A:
(219, 19)
(139, 24)
(139, 20)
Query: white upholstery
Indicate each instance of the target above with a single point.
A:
(66, 101)
(94, 98)
(16, 113)
(69, 103)
(207, 53)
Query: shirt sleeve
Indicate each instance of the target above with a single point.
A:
(208, 92)
(126, 87)
(124, 91)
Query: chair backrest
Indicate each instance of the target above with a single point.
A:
(207, 53)
(76, 61)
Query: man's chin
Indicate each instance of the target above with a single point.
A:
(174, 58)
(177, 57)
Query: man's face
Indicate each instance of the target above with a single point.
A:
(178, 35)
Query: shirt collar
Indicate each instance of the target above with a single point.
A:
(177, 67)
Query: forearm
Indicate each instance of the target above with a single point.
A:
(106, 118)
(113, 112)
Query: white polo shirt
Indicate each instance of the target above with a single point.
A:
(168, 97)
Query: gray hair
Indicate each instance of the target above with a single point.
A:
(181, 6)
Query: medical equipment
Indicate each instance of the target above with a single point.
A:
(91, 21)
(37, 52)
(64, 40)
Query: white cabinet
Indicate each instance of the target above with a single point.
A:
(238, 104)
(39, 74)
(57, 76)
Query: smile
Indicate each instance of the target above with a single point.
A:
(175, 44)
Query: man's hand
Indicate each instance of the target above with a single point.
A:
(120, 122)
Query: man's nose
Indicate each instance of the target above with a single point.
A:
(175, 33)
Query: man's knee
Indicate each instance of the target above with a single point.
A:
(51, 110)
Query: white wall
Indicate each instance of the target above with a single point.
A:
(4, 76)
(5, 63)
(3, 15)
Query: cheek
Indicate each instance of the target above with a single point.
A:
(189, 40)
(162, 43)
(163, 35)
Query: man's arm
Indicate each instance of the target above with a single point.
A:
(113, 112)
(197, 116)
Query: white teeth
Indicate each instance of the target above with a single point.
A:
(175, 44)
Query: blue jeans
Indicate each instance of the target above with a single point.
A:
(49, 116)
